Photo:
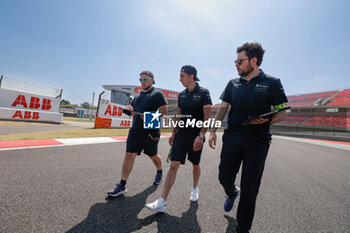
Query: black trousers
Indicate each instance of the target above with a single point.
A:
(251, 150)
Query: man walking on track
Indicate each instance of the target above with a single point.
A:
(195, 102)
(139, 138)
(252, 94)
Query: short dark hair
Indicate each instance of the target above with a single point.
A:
(252, 50)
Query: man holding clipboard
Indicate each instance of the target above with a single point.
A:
(247, 138)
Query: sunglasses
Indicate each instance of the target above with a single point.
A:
(240, 61)
(143, 79)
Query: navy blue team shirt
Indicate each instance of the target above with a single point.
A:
(252, 99)
(191, 104)
(148, 101)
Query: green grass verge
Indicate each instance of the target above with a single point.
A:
(77, 119)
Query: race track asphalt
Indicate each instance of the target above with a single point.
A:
(305, 188)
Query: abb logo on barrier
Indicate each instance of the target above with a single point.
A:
(125, 123)
(34, 103)
(171, 95)
(26, 116)
(116, 111)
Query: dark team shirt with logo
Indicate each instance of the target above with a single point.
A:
(148, 101)
(191, 104)
(252, 98)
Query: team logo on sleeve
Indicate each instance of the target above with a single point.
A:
(151, 120)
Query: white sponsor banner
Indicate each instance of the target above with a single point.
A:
(111, 110)
(117, 123)
(27, 101)
(29, 115)
(332, 110)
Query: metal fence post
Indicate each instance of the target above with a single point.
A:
(61, 94)
(2, 76)
(99, 100)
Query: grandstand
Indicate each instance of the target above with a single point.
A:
(311, 99)
(294, 119)
(329, 110)
(321, 110)
(335, 121)
(341, 99)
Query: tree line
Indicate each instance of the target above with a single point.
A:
(67, 104)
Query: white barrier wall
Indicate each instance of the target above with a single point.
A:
(15, 105)
(111, 110)
(29, 115)
(21, 100)
(116, 123)
(110, 115)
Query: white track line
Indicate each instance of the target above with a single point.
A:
(82, 141)
(75, 141)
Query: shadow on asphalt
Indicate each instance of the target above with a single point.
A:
(232, 224)
(167, 223)
(120, 215)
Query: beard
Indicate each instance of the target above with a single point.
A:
(147, 88)
(246, 71)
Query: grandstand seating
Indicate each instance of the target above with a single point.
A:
(342, 98)
(306, 100)
(294, 119)
(338, 121)
(291, 97)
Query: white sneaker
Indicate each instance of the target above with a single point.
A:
(159, 205)
(194, 195)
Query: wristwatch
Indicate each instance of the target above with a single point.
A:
(201, 136)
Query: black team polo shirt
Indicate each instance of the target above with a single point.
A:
(148, 101)
(191, 104)
(252, 99)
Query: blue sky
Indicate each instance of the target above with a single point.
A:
(81, 45)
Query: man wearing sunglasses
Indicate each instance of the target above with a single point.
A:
(194, 102)
(252, 94)
(139, 138)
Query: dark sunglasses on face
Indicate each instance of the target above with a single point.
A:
(240, 61)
